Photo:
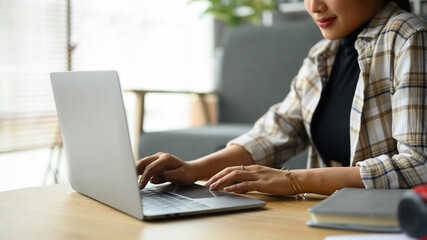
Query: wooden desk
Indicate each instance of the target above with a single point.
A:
(58, 212)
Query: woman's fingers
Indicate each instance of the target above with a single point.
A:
(235, 175)
(251, 178)
(142, 163)
(243, 187)
(179, 176)
(220, 174)
(157, 166)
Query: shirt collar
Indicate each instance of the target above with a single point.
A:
(377, 24)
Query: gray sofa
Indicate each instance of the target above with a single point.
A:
(257, 67)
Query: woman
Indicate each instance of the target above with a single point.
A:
(359, 102)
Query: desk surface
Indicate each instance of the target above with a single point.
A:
(58, 212)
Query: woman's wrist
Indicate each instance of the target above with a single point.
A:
(303, 178)
(319, 180)
(328, 180)
(197, 169)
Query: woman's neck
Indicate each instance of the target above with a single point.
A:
(347, 42)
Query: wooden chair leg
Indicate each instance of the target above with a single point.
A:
(139, 121)
(205, 109)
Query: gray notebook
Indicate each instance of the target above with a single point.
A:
(359, 209)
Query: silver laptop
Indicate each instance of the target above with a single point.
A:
(99, 156)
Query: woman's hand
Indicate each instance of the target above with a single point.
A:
(164, 167)
(252, 178)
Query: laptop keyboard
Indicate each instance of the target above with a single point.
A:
(154, 199)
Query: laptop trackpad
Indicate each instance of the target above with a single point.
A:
(193, 191)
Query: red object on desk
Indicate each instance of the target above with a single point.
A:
(422, 191)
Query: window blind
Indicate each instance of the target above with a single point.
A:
(130, 36)
(33, 43)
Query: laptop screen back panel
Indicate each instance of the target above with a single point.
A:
(96, 138)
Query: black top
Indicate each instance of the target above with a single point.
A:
(330, 126)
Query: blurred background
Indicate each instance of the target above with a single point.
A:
(160, 45)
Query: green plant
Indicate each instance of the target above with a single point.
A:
(234, 12)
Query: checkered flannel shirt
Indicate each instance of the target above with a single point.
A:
(388, 119)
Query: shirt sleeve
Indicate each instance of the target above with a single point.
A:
(279, 134)
(408, 167)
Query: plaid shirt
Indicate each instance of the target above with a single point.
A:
(388, 120)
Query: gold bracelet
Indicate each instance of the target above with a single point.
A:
(294, 182)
